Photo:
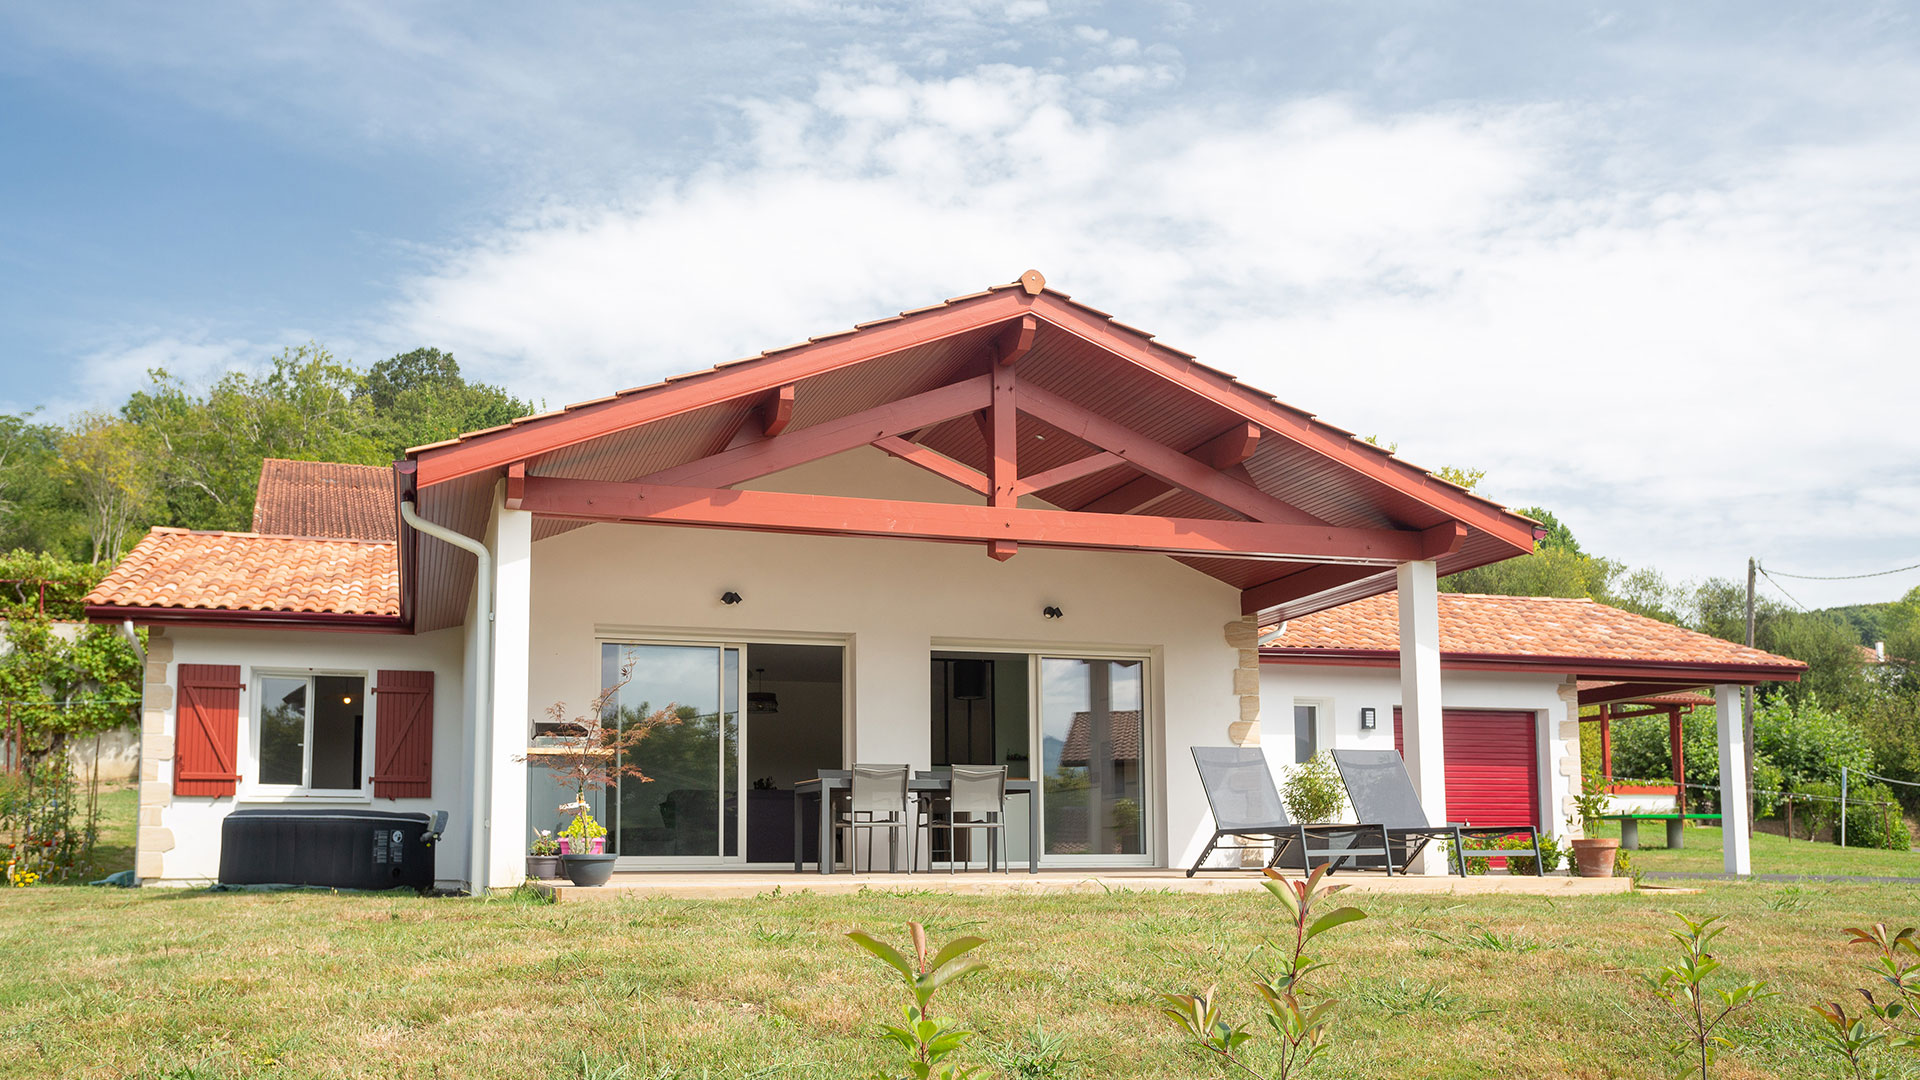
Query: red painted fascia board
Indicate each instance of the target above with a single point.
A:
(757, 375)
(1597, 667)
(219, 618)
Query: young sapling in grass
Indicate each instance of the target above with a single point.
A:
(1706, 1012)
(1301, 1028)
(927, 1042)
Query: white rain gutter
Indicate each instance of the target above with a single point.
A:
(133, 639)
(483, 689)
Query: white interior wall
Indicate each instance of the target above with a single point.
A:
(195, 820)
(893, 603)
(1343, 691)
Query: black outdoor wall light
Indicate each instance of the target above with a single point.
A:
(729, 598)
(1052, 612)
(1366, 719)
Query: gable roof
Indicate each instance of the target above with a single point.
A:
(176, 574)
(1078, 354)
(1560, 634)
(326, 499)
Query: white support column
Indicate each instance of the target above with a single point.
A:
(1736, 803)
(1420, 694)
(512, 644)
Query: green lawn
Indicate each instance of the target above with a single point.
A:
(163, 983)
(1771, 855)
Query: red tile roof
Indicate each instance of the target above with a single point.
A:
(1548, 629)
(1123, 729)
(326, 499)
(247, 572)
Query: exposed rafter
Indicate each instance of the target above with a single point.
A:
(756, 459)
(777, 411)
(1158, 460)
(936, 463)
(592, 500)
(1071, 471)
(1015, 342)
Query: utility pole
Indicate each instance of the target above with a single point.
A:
(1746, 692)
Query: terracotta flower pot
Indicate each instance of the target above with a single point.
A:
(1594, 858)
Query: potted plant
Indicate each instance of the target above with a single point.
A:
(1593, 856)
(543, 856)
(591, 751)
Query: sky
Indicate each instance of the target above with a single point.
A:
(1653, 267)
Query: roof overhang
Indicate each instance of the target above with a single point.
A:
(1632, 677)
(213, 618)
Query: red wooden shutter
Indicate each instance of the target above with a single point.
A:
(207, 730)
(403, 735)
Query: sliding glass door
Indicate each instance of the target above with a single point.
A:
(686, 810)
(1093, 745)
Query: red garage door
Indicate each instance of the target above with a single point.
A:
(1491, 766)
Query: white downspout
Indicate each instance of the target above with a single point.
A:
(483, 688)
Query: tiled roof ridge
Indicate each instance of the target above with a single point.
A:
(240, 535)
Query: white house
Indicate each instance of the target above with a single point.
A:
(942, 537)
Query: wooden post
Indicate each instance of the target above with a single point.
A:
(1679, 758)
(1606, 742)
(1789, 796)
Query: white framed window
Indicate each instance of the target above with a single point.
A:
(311, 733)
(1306, 730)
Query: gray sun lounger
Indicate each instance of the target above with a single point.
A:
(1380, 790)
(1247, 806)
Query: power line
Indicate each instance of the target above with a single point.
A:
(1783, 591)
(1843, 577)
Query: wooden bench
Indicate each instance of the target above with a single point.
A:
(1676, 827)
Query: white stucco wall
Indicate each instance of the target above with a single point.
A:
(1341, 692)
(194, 821)
(891, 603)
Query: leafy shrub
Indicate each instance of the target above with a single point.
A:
(1313, 791)
(1794, 745)
(1820, 810)
(1807, 742)
(1878, 823)
(1550, 852)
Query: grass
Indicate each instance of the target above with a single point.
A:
(1771, 855)
(165, 983)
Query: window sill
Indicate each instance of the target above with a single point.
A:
(344, 798)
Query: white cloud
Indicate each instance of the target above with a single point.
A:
(1685, 372)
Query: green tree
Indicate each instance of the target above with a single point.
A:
(420, 397)
(112, 470)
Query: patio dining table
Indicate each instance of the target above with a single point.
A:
(830, 781)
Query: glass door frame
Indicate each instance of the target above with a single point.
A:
(616, 635)
(1151, 775)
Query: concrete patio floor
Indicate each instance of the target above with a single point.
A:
(722, 884)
